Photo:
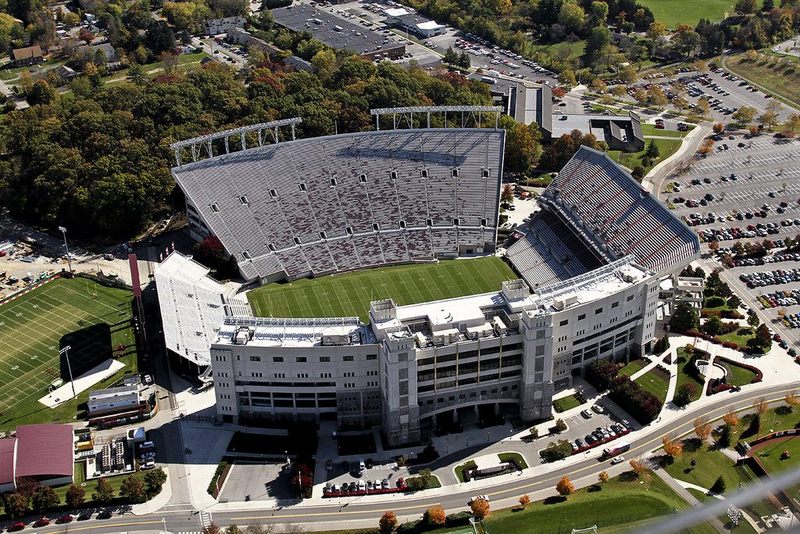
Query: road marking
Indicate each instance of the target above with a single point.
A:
(340, 512)
(106, 526)
(205, 519)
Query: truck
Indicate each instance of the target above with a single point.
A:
(619, 448)
(489, 80)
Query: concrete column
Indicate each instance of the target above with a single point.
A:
(455, 415)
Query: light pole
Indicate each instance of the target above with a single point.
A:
(63, 231)
(65, 352)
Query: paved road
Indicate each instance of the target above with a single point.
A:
(181, 518)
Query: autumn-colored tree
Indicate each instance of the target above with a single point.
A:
(480, 508)
(731, 418)
(639, 467)
(792, 399)
(75, 496)
(603, 477)
(507, 193)
(387, 523)
(719, 128)
(524, 501)
(565, 486)
(105, 492)
(435, 516)
(672, 447)
(760, 406)
(702, 428)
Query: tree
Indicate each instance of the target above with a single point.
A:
(656, 31)
(233, 529)
(43, 499)
(571, 17)
(792, 400)
(760, 406)
(746, 7)
(212, 528)
(132, 489)
(387, 523)
(154, 479)
(702, 428)
(724, 440)
(638, 172)
(744, 115)
(719, 486)
(602, 477)
(435, 516)
(524, 501)
(719, 128)
(41, 93)
(567, 77)
(768, 119)
(16, 504)
(450, 56)
(507, 193)
(565, 486)
(522, 150)
(75, 497)
(713, 326)
(480, 508)
(673, 447)
(464, 61)
(683, 318)
(730, 418)
(639, 467)
(657, 97)
(85, 35)
(684, 394)
(105, 493)
(652, 149)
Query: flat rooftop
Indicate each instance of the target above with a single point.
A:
(564, 124)
(295, 332)
(331, 30)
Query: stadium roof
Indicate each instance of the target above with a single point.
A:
(44, 451)
(296, 332)
(8, 448)
(193, 306)
(607, 207)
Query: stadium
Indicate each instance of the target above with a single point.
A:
(581, 281)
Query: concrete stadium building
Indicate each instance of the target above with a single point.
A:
(589, 262)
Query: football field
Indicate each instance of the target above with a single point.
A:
(93, 319)
(349, 294)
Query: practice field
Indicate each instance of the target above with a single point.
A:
(674, 12)
(93, 319)
(345, 295)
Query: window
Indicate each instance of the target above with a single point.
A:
(243, 200)
(598, 311)
(301, 359)
(456, 222)
(255, 358)
(273, 193)
(324, 359)
(485, 173)
(424, 173)
(429, 222)
(483, 222)
(455, 173)
(349, 230)
(372, 357)
(333, 182)
(581, 317)
(246, 254)
(347, 359)
(271, 247)
(402, 224)
(376, 226)
(323, 235)
(630, 298)
(565, 322)
(363, 178)
(615, 304)
(277, 359)
(393, 175)
(303, 188)
(214, 208)
(296, 240)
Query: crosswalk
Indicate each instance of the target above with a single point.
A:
(205, 519)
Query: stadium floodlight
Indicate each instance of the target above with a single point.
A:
(65, 352)
(63, 231)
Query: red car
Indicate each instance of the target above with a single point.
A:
(13, 527)
(66, 518)
(41, 522)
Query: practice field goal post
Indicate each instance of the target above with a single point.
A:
(587, 530)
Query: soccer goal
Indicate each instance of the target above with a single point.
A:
(587, 530)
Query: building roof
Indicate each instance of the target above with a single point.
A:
(295, 332)
(28, 52)
(395, 12)
(121, 391)
(414, 19)
(333, 31)
(193, 306)
(8, 448)
(45, 451)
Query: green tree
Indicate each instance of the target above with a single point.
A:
(744, 115)
(638, 173)
(572, 17)
(133, 489)
(719, 486)
(683, 318)
(684, 393)
(713, 326)
(43, 499)
(41, 93)
(522, 150)
(75, 497)
(652, 150)
(104, 492)
(16, 504)
(450, 56)
(746, 7)
(154, 480)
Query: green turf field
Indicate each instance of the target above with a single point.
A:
(674, 12)
(31, 330)
(349, 294)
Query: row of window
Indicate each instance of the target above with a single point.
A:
(302, 359)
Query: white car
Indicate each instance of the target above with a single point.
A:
(617, 460)
(479, 498)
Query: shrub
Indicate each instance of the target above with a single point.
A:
(719, 485)
(632, 398)
(683, 395)
(601, 373)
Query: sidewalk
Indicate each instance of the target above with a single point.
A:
(157, 502)
(688, 497)
(689, 145)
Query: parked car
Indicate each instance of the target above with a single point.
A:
(66, 518)
(41, 522)
(14, 527)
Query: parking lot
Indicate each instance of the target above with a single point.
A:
(745, 189)
(257, 481)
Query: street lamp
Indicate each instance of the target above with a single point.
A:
(65, 352)
(63, 231)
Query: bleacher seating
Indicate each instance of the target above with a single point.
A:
(605, 204)
(343, 202)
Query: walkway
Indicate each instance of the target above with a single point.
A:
(745, 515)
(688, 497)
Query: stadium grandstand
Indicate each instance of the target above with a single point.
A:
(593, 213)
(323, 205)
(193, 306)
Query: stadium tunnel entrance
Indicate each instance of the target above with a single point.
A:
(481, 414)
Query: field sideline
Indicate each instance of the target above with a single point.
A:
(31, 328)
(349, 294)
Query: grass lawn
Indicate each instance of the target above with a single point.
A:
(685, 378)
(563, 51)
(649, 130)
(33, 328)
(779, 75)
(740, 336)
(666, 147)
(350, 294)
(770, 457)
(12, 74)
(742, 528)
(656, 381)
(566, 403)
(515, 456)
(710, 464)
(466, 466)
(674, 12)
(738, 376)
(633, 367)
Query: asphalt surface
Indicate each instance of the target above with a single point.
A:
(181, 518)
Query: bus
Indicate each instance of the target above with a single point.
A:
(616, 450)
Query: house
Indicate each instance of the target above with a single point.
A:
(64, 72)
(30, 55)
(43, 452)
